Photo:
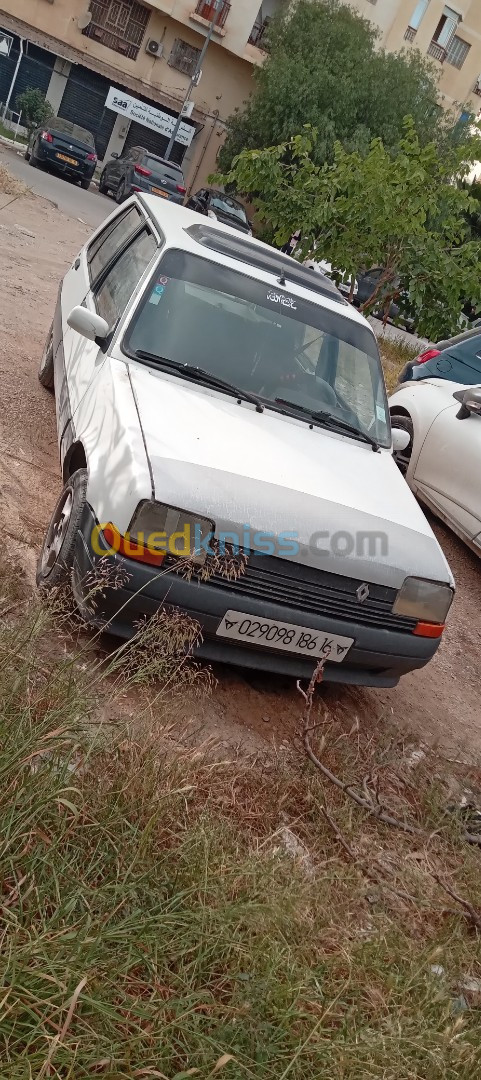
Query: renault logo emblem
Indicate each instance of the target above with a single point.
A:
(362, 593)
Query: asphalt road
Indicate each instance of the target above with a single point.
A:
(89, 206)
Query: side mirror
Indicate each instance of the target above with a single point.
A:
(115, 156)
(470, 402)
(88, 324)
(400, 440)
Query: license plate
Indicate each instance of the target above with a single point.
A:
(289, 637)
(158, 191)
(69, 160)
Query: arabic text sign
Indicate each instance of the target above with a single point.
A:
(144, 114)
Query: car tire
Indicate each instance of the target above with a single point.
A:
(46, 369)
(57, 555)
(33, 161)
(27, 155)
(121, 193)
(403, 458)
(103, 189)
(85, 184)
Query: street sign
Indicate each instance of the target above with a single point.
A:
(6, 43)
(156, 119)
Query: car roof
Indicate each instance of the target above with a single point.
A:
(188, 230)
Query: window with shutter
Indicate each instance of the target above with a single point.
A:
(183, 57)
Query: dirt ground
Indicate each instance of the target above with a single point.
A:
(441, 704)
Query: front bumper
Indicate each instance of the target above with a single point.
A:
(378, 657)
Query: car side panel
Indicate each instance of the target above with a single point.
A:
(423, 402)
(108, 426)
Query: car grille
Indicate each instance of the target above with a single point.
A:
(314, 591)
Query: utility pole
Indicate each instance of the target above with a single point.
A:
(217, 4)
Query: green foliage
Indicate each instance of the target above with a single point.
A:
(34, 108)
(324, 69)
(401, 211)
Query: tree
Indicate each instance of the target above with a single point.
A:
(34, 108)
(404, 211)
(323, 68)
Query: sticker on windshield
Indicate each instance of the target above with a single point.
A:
(156, 294)
(163, 281)
(381, 413)
(281, 298)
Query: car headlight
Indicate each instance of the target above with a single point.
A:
(162, 528)
(424, 600)
(210, 213)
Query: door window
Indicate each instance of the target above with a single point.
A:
(111, 240)
(116, 288)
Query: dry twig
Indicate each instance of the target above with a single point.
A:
(367, 801)
(473, 917)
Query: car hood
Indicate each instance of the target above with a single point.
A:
(250, 471)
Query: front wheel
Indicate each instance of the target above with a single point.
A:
(103, 189)
(58, 548)
(120, 193)
(403, 457)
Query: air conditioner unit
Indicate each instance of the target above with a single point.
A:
(154, 47)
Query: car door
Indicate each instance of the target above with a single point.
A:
(111, 295)
(78, 287)
(447, 470)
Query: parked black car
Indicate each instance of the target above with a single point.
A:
(139, 170)
(460, 363)
(216, 204)
(64, 147)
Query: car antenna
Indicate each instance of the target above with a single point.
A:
(282, 278)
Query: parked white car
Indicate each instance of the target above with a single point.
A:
(340, 277)
(442, 419)
(211, 391)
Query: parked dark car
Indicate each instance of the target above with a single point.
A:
(216, 204)
(64, 147)
(139, 170)
(459, 363)
(367, 283)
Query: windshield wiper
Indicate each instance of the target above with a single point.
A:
(328, 420)
(199, 374)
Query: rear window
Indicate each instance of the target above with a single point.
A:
(65, 127)
(166, 170)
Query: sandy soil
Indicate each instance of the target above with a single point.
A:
(441, 704)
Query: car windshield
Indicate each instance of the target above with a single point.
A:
(157, 166)
(263, 339)
(65, 127)
(228, 206)
(459, 364)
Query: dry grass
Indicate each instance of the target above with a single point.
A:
(394, 355)
(9, 185)
(166, 914)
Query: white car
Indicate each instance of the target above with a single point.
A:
(340, 277)
(442, 418)
(214, 394)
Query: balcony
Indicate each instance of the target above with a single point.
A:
(410, 34)
(119, 26)
(477, 88)
(258, 32)
(206, 9)
(437, 51)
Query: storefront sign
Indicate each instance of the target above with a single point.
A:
(133, 109)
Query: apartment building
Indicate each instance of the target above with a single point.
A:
(89, 55)
(449, 34)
